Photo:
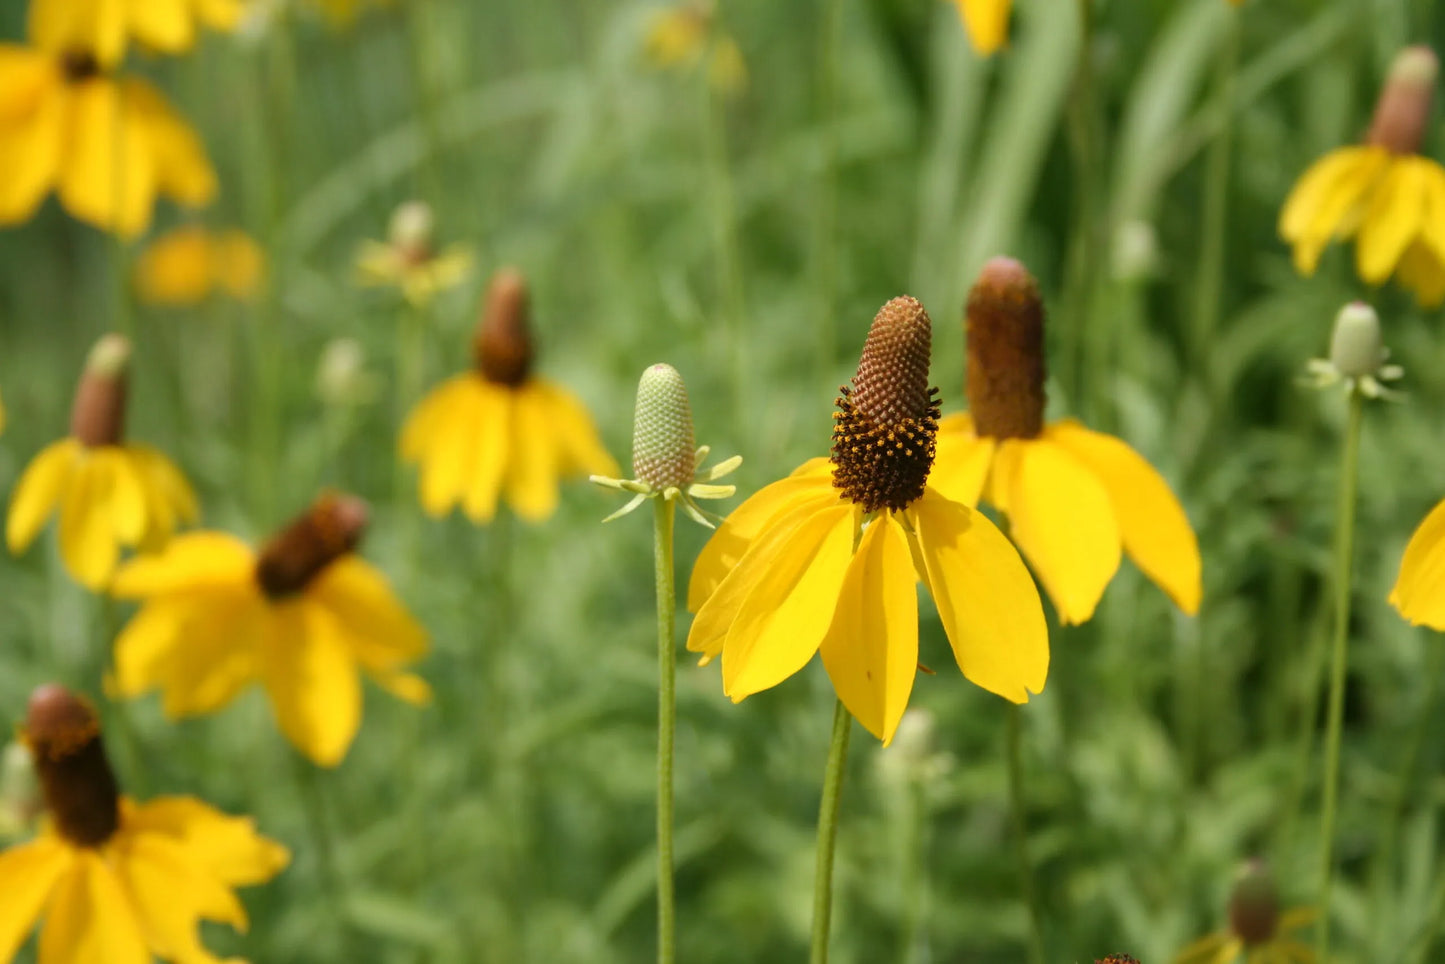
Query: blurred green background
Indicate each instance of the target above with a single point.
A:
(747, 238)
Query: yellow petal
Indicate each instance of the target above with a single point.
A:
(785, 616)
(1419, 592)
(871, 649)
(219, 14)
(95, 25)
(580, 451)
(731, 540)
(41, 486)
(311, 676)
(532, 467)
(124, 500)
(449, 435)
(960, 467)
(239, 264)
(194, 561)
(26, 76)
(1422, 271)
(1432, 221)
(1061, 519)
(418, 432)
(407, 687)
(175, 269)
(1206, 949)
(1392, 221)
(1327, 204)
(219, 635)
(145, 645)
(1317, 183)
(108, 176)
(28, 875)
(493, 449)
(384, 635)
(30, 152)
(170, 895)
(183, 172)
(169, 497)
(1155, 531)
(164, 25)
(228, 847)
(87, 534)
(90, 918)
(986, 601)
(987, 23)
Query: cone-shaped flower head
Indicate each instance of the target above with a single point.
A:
(503, 342)
(1254, 909)
(885, 423)
(1259, 929)
(1402, 113)
(1076, 499)
(329, 530)
(97, 416)
(665, 458)
(75, 776)
(409, 258)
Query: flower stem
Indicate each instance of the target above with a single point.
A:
(1021, 831)
(1087, 344)
(1344, 551)
(1209, 282)
(828, 833)
(663, 513)
(327, 867)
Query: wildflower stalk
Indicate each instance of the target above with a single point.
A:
(664, 511)
(1209, 284)
(1344, 550)
(1021, 831)
(828, 833)
(1086, 343)
(308, 781)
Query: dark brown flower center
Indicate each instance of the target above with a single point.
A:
(324, 533)
(1254, 905)
(78, 64)
(1004, 323)
(885, 425)
(97, 415)
(502, 345)
(1402, 114)
(75, 777)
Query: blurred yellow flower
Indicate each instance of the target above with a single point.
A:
(986, 22)
(110, 493)
(409, 261)
(108, 145)
(1075, 499)
(112, 879)
(827, 560)
(302, 617)
(188, 264)
(683, 34)
(1419, 591)
(343, 13)
(1382, 193)
(104, 27)
(1258, 932)
(499, 428)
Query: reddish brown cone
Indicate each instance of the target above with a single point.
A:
(1254, 905)
(97, 416)
(503, 344)
(1402, 114)
(314, 540)
(1005, 328)
(75, 776)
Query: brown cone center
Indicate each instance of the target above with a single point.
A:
(1005, 358)
(503, 345)
(327, 531)
(75, 777)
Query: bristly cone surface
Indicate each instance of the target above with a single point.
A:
(503, 342)
(884, 428)
(1005, 330)
(324, 533)
(80, 790)
(663, 443)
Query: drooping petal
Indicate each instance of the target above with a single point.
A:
(1326, 205)
(90, 918)
(219, 638)
(960, 467)
(987, 23)
(493, 450)
(450, 447)
(28, 875)
(219, 14)
(1207, 949)
(871, 649)
(1422, 271)
(1419, 592)
(1392, 221)
(1155, 531)
(163, 25)
(1317, 183)
(580, 451)
(175, 269)
(171, 895)
(532, 466)
(170, 500)
(181, 168)
(87, 535)
(30, 145)
(124, 503)
(786, 614)
(228, 847)
(382, 633)
(1061, 518)
(191, 562)
(108, 176)
(986, 601)
(94, 25)
(40, 487)
(744, 524)
(311, 676)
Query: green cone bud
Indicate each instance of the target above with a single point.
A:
(1355, 346)
(663, 444)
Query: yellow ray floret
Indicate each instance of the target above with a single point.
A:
(187, 265)
(1419, 592)
(987, 23)
(105, 27)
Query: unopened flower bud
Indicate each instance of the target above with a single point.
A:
(1355, 346)
(76, 781)
(1254, 905)
(411, 229)
(330, 529)
(664, 448)
(97, 416)
(1402, 113)
(1004, 325)
(503, 345)
(341, 376)
(20, 799)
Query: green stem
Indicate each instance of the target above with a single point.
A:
(663, 513)
(828, 833)
(1086, 344)
(1209, 284)
(332, 885)
(1344, 551)
(1021, 832)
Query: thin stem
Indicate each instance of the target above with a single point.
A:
(1344, 551)
(332, 884)
(828, 833)
(1021, 832)
(1209, 284)
(663, 513)
(1085, 343)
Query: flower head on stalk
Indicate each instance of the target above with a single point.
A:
(827, 560)
(500, 429)
(1383, 193)
(106, 27)
(665, 457)
(986, 22)
(112, 879)
(685, 33)
(304, 616)
(187, 265)
(1258, 931)
(409, 260)
(1076, 499)
(110, 493)
(1358, 358)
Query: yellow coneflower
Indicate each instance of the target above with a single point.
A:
(1075, 498)
(112, 879)
(684, 34)
(408, 260)
(498, 429)
(1419, 591)
(301, 616)
(104, 27)
(107, 144)
(1382, 193)
(1258, 932)
(986, 22)
(827, 560)
(187, 265)
(110, 493)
